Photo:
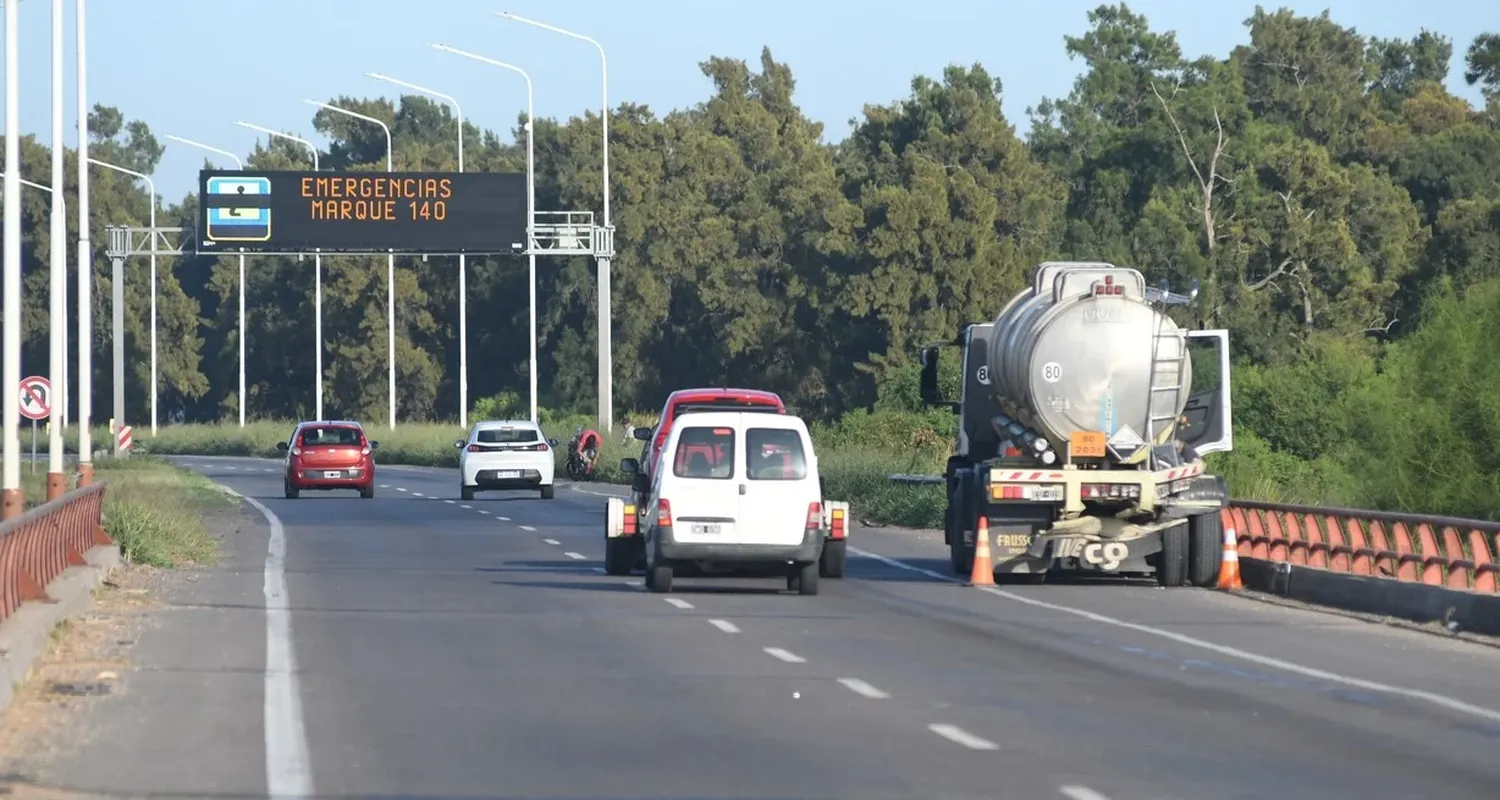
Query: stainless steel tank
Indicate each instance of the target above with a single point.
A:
(1074, 353)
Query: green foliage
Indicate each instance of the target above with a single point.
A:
(1339, 207)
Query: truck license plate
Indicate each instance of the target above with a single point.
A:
(706, 528)
(508, 473)
(1047, 493)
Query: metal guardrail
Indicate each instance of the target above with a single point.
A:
(1450, 552)
(38, 545)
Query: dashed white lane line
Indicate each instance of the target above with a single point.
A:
(502, 519)
(860, 687)
(575, 556)
(1433, 698)
(449, 502)
(387, 486)
(471, 508)
(480, 510)
(527, 528)
(677, 602)
(417, 494)
(1081, 793)
(958, 735)
(724, 625)
(551, 541)
(785, 655)
(636, 586)
(400, 488)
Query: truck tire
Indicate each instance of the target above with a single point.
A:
(960, 555)
(835, 554)
(1172, 563)
(1205, 548)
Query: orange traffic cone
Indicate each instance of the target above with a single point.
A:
(983, 573)
(1229, 568)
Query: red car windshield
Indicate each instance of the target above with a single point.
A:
(330, 435)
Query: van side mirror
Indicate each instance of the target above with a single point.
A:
(929, 377)
(282, 447)
(642, 434)
(630, 466)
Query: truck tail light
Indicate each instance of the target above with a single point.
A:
(663, 513)
(836, 523)
(628, 529)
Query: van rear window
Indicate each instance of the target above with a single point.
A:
(775, 454)
(704, 453)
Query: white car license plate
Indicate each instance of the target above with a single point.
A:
(508, 473)
(333, 473)
(1047, 493)
(707, 528)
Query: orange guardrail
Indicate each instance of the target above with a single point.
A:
(1420, 548)
(38, 545)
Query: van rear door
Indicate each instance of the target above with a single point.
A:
(698, 481)
(780, 480)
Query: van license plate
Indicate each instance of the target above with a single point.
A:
(706, 529)
(508, 473)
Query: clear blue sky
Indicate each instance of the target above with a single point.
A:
(155, 59)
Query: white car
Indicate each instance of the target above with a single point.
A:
(733, 489)
(505, 454)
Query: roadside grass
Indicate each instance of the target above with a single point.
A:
(152, 509)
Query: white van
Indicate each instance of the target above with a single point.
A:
(733, 489)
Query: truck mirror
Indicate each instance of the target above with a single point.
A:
(929, 377)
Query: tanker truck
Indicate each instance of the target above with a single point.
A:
(1081, 432)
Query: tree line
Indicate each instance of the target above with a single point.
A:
(1325, 188)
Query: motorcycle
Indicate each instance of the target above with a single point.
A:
(583, 454)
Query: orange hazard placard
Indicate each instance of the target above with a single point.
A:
(1086, 444)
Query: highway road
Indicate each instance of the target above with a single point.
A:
(419, 646)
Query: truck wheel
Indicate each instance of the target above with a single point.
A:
(1171, 567)
(619, 557)
(1205, 549)
(962, 558)
(831, 564)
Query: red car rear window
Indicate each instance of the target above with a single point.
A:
(332, 435)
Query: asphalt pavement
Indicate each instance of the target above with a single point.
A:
(419, 646)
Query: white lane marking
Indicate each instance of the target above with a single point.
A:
(480, 510)
(636, 586)
(785, 655)
(677, 602)
(418, 494)
(575, 556)
(551, 541)
(400, 488)
(502, 519)
(288, 767)
(385, 486)
(862, 688)
(599, 570)
(471, 508)
(226, 466)
(449, 502)
(1441, 701)
(724, 625)
(527, 528)
(1081, 793)
(953, 733)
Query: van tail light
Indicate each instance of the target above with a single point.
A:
(814, 515)
(836, 524)
(663, 513)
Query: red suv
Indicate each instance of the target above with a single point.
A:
(726, 399)
(328, 455)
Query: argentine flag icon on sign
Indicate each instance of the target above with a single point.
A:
(239, 209)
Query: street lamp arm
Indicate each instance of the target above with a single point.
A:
(150, 184)
(492, 62)
(390, 164)
(32, 184)
(447, 98)
(544, 26)
(201, 146)
(287, 136)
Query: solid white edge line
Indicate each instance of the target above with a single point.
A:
(784, 655)
(1081, 793)
(953, 733)
(677, 602)
(724, 625)
(1441, 701)
(288, 767)
(862, 688)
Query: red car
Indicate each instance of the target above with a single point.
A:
(328, 455)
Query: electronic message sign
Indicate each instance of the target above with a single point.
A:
(361, 212)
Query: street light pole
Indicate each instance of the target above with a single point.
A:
(12, 503)
(605, 323)
(463, 279)
(118, 292)
(390, 258)
(530, 203)
(317, 274)
(238, 164)
(57, 273)
(85, 263)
